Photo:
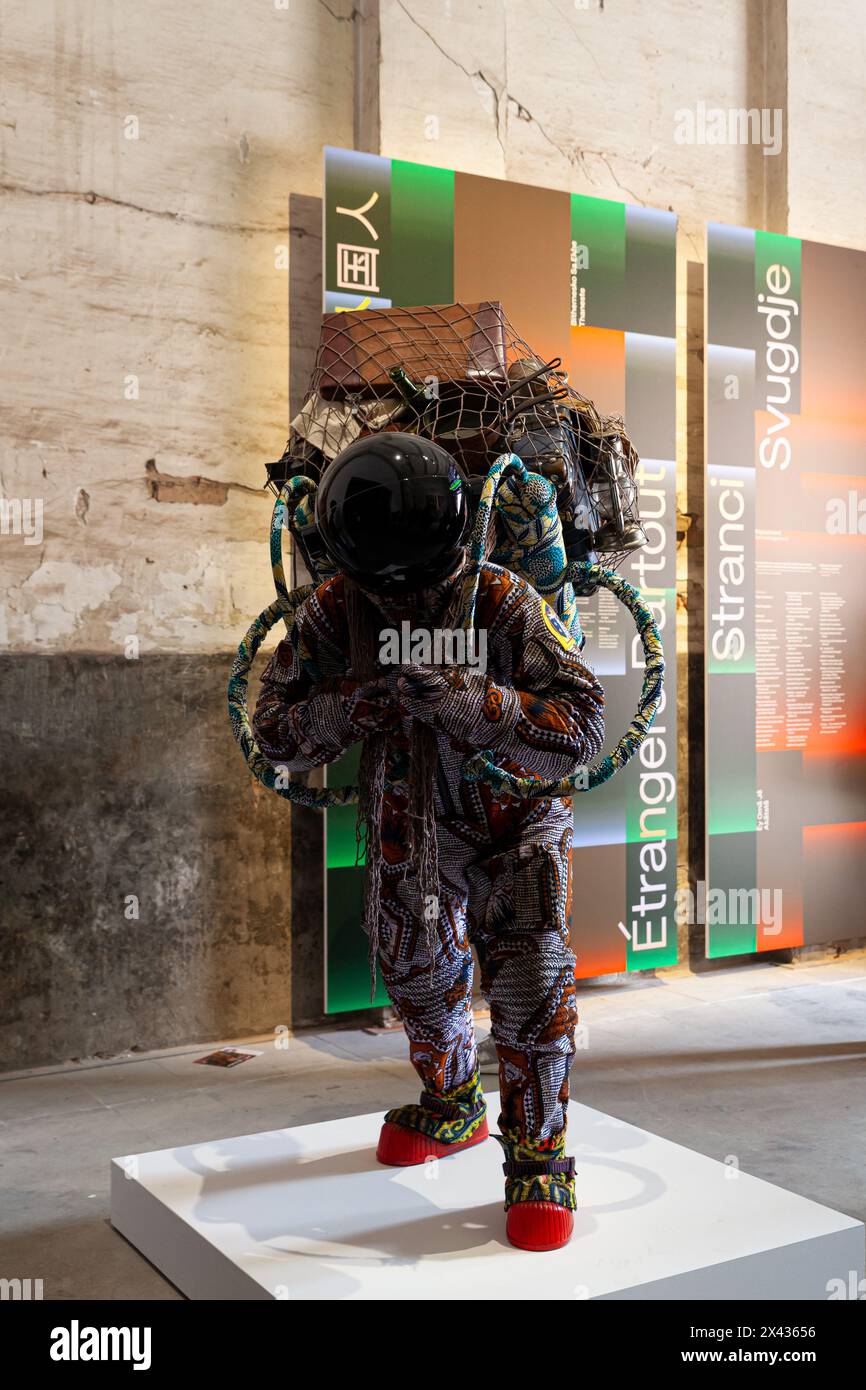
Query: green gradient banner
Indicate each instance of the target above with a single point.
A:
(591, 281)
(347, 970)
(597, 262)
(786, 603)
(422, 229)
(778, 286)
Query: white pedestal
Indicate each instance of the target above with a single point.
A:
(308, 1213)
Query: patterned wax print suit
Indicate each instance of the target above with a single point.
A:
(504, 864)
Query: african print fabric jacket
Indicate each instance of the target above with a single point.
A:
(538, 707)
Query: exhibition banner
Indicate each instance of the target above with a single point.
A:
(593, 282)
(785, 591)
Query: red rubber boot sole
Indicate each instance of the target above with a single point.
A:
(401, 1148)
(539, 1225)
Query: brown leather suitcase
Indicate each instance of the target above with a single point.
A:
(461, 343)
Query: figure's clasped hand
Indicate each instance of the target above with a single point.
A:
(420, 690)
(373, 707)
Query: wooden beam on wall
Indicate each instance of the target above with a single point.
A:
(767, 89)
(368, 53)
(775, 19)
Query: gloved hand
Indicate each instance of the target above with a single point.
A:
(459, 701)
(373, 708)
(419, 690)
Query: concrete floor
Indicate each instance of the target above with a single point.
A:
(762, 1065)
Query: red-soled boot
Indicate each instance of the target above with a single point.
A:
(539, 1191)
(439, 1126)
(402, 1147)
(539, 1225)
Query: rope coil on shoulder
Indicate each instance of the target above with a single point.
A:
(480, 767)
(283, 515)
(284, 607)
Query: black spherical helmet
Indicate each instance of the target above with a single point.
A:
(393, 512)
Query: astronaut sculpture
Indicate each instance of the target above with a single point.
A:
(442, 481)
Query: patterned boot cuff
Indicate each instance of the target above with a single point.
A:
(449, 1117)
(536, 1170)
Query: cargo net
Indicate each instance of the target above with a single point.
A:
(459, 374)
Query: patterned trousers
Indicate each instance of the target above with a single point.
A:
(511, 901)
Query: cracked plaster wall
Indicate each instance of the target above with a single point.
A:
(583, 97)
(144, 384)
(143, 311)
(143, 300)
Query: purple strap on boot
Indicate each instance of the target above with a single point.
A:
(531, 1168)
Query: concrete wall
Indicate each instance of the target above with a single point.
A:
(584, 95)
(148, 152)
(827, 121)
(143, 303)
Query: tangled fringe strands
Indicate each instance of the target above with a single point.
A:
(371, 772)
(365, 623)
